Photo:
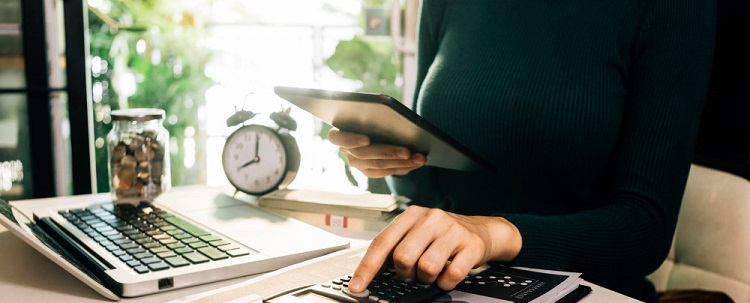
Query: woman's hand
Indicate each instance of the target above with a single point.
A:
(421, 241)
(375, 160)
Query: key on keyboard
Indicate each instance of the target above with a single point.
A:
(148, 239)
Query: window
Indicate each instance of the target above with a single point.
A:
(13, 124)
(32, 138)
(201, 60)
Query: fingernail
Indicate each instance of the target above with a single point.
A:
(356, 284)
(363, 141)
(417, 159)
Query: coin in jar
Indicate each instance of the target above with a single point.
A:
(128, 161)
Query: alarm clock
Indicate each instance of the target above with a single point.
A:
(258, 159)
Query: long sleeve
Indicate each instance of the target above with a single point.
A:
(590, 112)
(631, 232)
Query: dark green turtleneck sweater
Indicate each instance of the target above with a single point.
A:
(588, 108)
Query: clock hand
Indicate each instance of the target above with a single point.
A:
(257, 141)
(254, 160)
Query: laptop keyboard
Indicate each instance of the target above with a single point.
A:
(149, 239)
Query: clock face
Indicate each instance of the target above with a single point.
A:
(254, 159)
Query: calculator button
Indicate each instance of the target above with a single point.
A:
(363, 294)
(326, 285)
(336, 287)
(383, 301)
(374, 298)
(337, 282)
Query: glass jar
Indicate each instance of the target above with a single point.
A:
(138, 155)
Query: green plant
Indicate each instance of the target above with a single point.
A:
(149, 58)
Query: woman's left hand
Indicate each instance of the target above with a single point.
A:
(421, 241)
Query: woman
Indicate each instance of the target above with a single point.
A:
(590, 111)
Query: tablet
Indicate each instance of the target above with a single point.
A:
(385, 120)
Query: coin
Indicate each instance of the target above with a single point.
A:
(135, 143)
(117, 152)
(128, 161)
(138, 159)
(126, 176)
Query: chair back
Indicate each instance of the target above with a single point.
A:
(711, 248)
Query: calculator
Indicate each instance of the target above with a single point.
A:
(384, 288)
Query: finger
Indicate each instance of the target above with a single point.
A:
(381, 248)
(408, 252)
(457, 270)
(380, 151)
(414, 161)
(433, 260)
(426, 231)
(444, 242)
(347, 139)
(364, 167)
(380, 163)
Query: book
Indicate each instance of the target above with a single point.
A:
(372, 206)
(338, 221)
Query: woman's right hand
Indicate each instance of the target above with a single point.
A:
(375, 160)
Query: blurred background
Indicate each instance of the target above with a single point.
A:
(200, 60)
(66, 65)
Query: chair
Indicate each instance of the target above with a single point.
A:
(711, 248)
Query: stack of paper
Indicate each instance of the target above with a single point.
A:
(360, 211)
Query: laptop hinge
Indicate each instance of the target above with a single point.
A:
(76, 250)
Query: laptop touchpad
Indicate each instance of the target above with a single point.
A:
(262, 231)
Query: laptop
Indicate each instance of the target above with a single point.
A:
(186, 237)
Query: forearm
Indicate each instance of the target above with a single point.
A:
(627, 238)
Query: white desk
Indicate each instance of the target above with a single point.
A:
(27, 276)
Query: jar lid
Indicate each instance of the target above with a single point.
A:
(137, 114)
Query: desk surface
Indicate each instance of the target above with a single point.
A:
(27, 276)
